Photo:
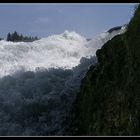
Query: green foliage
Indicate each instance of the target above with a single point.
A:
(15, 37)
(109, 100)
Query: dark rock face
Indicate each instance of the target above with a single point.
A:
(88, 39)
(109, 99)
(114, 29)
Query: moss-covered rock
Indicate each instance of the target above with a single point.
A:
(109, 99)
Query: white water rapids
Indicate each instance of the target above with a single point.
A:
(39, 81)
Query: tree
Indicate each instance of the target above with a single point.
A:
(15, 37)
(36, 38)
(20, 38)
(8, 37)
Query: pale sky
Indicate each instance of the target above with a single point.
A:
(47, 19)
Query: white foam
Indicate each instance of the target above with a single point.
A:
(64, 51)
(56, 51)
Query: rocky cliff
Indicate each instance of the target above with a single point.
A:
(109, 100)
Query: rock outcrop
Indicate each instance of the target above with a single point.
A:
(109, 100)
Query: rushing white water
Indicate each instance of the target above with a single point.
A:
(98, 41)
(57, 51)
(39, 81)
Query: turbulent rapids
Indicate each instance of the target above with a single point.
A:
(39, 81)
(57, 51)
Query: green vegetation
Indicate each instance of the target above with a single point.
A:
(15, 37)
(109, 100)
